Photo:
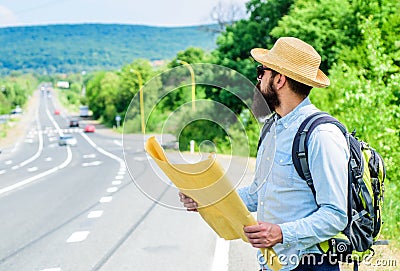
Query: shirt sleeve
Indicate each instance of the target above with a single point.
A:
(249, 196)
(328, 157)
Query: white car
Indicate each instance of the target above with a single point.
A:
(67, 140)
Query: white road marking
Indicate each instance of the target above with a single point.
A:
(221, 255)
(113, 183)
(91, 164)
(48, 159)
(40, 147)
(28, 140)
(40, 175)
(121, 172)
(112, 189)
(15, 167)
(95, 214)
(8, 162)
(92, 155)
(32, 169)
(119, 177)
(52, 139)
(140, 159)
(105, 199)
(112, 156)
(117, 142)
(2, 172)
(78, 236)
(52, 269)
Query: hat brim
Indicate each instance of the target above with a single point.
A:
(262, 56)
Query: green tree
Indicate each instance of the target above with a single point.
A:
(108, 95)
(363, 97)
(93, 90)
(130, 86)
(181, 95)
(5, 105)
(323, 24)
(235, 43)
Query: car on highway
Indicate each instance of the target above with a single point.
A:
(73, 123)
(67, 139)
(56, 112)
(89, 128)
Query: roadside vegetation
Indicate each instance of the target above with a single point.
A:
(15, 90)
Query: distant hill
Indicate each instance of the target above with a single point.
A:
(74, 48)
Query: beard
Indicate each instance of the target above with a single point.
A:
(265, 102)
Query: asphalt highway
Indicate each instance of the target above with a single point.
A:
(77, 207)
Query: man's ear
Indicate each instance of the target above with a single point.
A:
(280, 81)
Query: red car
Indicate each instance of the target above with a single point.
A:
(56, 112)
(89, 128)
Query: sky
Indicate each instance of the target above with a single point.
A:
(144, 12)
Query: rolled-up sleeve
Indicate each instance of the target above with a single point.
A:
(249, 197)
(328, 157)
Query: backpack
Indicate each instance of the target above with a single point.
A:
(365, 194)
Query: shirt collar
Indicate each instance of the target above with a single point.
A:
(289, 118)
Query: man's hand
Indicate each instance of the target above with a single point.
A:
(188, 202)
(263, 235)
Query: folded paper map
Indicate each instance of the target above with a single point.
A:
(219, 204)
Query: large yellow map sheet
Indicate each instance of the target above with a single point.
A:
(219, 204)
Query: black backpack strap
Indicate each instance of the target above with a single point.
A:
(299, 148)
(267, 126)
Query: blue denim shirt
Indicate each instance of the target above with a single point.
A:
(280, 196)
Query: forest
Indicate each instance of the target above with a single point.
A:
(358, 40)
(50, 49)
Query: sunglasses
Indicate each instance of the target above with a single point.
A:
(260, 71)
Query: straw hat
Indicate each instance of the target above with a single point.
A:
(295, 59)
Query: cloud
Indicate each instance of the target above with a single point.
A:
(7, 17)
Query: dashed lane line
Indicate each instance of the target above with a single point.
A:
(38, 176)
(105, 199)
(112, 189)
(32, 169)
(95, 214)
(92, 164)
(87, 156)
(78, 236)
